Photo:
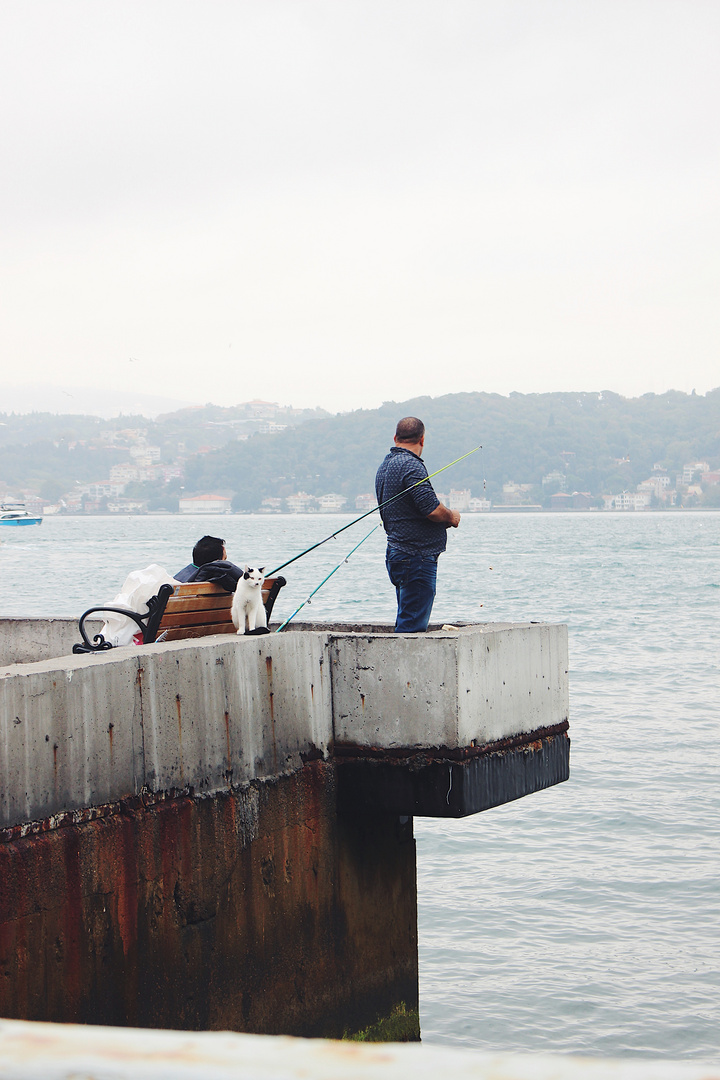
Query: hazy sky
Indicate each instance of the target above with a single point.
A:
(339, 203)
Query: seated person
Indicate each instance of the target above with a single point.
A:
(210, 564)
(208, 549)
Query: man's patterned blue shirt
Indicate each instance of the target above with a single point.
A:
(405, 520)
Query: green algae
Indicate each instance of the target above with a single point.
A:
(402, 1025)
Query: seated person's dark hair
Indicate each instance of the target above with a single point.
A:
(208, 549)
(409, 429)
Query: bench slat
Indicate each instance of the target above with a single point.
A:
(198, 603)
(195, 618)
(198, 588)
(182, 632)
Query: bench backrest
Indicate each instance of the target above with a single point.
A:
(202, 608)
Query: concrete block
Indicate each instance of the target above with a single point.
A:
(396, 690)
(70, 736)
(82, 731)
(27, 641)
(511, 680)
(230, 709)
(448, 688)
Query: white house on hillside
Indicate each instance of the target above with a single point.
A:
(205, 504)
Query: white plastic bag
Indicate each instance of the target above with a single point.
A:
(137, 589)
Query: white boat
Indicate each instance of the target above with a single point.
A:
(16, 514)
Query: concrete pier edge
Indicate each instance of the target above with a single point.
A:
(39, 1051)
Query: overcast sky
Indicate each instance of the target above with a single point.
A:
(340, 203)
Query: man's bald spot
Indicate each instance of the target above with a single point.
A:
(409, 430)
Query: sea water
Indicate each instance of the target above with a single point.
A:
(582, 919)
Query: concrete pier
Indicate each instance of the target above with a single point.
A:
(57, 1052)
(218, 834)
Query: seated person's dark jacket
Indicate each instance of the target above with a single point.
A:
(220, 572)
(186, 573)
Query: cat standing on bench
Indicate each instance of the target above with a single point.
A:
(247, 606)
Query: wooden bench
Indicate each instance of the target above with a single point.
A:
(190, 610)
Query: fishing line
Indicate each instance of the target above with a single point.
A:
(282, 627)
(349, 525)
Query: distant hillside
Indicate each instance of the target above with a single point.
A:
(524, 437)
(51, 452)
(602, 443)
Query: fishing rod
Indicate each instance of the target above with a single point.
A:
(282, 627)
(349, 525)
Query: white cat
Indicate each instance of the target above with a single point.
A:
(247, 605)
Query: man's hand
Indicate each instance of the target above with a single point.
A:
(445, 516)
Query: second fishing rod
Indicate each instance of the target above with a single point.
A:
(374, 510)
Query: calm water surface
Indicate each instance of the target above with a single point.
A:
(583, 919)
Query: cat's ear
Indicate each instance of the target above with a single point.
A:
(245, 569)
(261, 569)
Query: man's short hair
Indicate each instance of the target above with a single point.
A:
(409, 429)
(208, 549)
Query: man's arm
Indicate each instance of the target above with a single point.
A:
(444, 516)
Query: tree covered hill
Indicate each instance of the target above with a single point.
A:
(603, 442)
(51, 452)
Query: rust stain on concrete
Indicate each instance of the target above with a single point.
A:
(226, 716)
(251, 910)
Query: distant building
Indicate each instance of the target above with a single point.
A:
(300, 503)
(693, 467)
(131, 434)
(459, 500)
(331, 504)
(269, 427)
(479, 506)
(579, 500)
(125, 473)
(658, 486)
(711, 478)
(555, 479)
(627, 500)
(582, 500)
(365, 502)
(261, 408)
(205, 504)
(101, 489)
(145, 455)
(126, 506)
(516, 494)
(172, 472)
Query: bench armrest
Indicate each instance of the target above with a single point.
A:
(148, 622)
(277, 584)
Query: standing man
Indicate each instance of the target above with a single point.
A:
(416, 527)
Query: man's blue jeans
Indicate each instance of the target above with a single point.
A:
(414, 578)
